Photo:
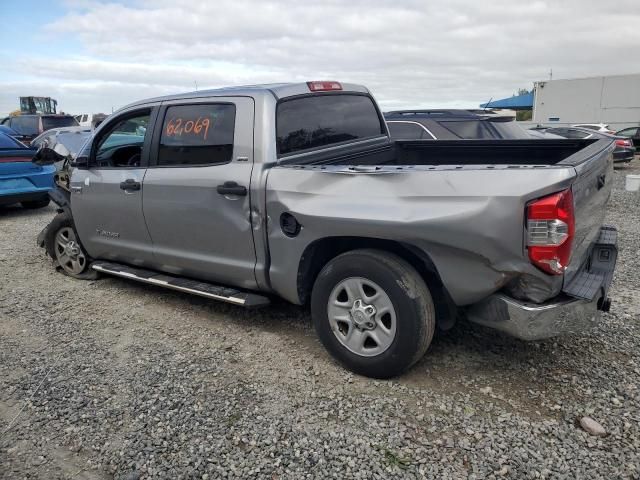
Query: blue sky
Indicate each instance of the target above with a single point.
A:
(27, 16)
(93, 55)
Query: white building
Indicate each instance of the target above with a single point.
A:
(614, 100)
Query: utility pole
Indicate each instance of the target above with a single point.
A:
(551, 74)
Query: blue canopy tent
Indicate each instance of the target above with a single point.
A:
(517, 102)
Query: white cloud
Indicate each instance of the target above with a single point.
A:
(410, 53)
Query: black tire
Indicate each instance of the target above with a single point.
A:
(60, 222)
(33, 204)
(411, 299)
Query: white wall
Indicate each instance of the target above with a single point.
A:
(614, 100)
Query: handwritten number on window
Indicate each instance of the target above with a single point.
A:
(176, 127)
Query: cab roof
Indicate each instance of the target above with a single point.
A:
(276, 90)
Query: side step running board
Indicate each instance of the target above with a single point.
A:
(203, 289)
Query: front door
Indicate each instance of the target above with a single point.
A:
(106, 197)
(196, 190)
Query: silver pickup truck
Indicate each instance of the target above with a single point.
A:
(296, 191)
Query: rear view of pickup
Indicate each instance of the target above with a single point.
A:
(296, 190)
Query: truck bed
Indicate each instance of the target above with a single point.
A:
(463, 202)
(456, 152)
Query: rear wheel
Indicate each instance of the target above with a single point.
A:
(33, 204)
(373, 312)
(64, 247)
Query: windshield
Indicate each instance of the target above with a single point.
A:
(8, 130)
(55, 122)
(9, 142)
(73, 141)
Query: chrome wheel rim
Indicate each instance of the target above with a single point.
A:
(68, 251)
(362, 316)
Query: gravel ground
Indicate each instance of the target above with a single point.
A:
(112, 379)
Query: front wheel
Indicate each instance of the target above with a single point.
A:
(373, 312)
(64, 247)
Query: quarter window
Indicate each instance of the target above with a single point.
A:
(197, 135)
(122, 145)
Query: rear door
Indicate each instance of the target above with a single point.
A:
(196, 191)
(106, 198)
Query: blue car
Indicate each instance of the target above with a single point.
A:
(20, 180)
(11, 132)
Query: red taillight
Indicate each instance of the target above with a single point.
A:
(14, 159)
(324, 86)
(623, 143)
(550, 229)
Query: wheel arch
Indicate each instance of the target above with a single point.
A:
(319, 252)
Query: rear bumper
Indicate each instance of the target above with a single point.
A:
(536, 321)
(30, 185)
(575, 311)
(23, 197)
(624, 155)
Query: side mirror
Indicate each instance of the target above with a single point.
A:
(47, 156)
(81, 161)
(61, 150)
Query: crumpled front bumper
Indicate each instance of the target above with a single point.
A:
(576, 310)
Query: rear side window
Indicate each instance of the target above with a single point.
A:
(628, 132)
(56, 122)
(320, 120)
(469, 130)
(197, 135)
(25, 125)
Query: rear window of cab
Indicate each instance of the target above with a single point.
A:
(313, 121)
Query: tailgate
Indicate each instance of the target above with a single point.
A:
(591, 192)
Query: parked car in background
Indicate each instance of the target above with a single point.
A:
(22, 181)
(632, 133)
(90, 119)
(451, 125)
(598, 127)
(623, 152)
(11, 132)
(30, 126)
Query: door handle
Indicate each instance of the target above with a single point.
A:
(231, 188)
(130, 184)
(601, 181)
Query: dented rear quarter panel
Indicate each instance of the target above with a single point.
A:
(469, 221)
